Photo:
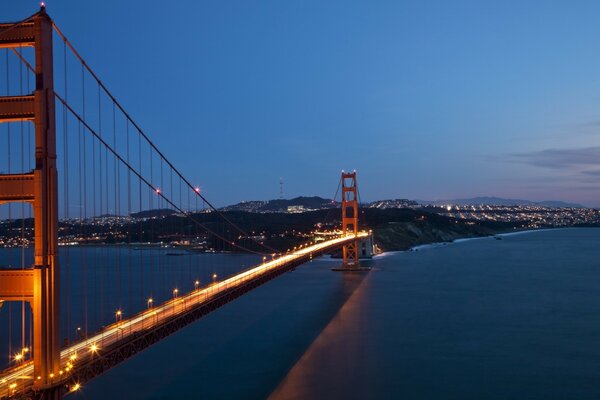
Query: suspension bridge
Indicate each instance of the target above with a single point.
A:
(78, 172)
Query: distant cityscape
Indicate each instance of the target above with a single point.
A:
(140, 227)
(529, 216)
(525, 213)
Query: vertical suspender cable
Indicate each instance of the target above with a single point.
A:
(85, 203)
(94, 295)
(99, 269)
(66, 191)
(140, 258)
(129, 254)
(117, 206)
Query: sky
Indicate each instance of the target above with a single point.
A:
(425, 99)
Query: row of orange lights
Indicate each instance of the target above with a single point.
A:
(69, 366)
(150, 301)
(118, 314)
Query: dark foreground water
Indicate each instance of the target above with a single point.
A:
(517, 318)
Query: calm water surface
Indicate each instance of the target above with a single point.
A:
(480, 319)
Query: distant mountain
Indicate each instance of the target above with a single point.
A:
(281, 205)
(161, 212)
(498, 201)
(108, 216)
(560, 204)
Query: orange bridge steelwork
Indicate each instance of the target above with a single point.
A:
(38, 285)
(54, 372)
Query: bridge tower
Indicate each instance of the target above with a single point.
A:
(350, 218)
(38, 285)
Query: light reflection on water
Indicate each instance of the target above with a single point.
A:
(486, 319)
(345, 331)
(517, 317)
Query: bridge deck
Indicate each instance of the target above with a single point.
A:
(121, 340)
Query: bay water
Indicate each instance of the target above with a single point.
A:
(510, 318)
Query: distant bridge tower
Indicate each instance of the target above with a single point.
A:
(350, 218)
(39, 285)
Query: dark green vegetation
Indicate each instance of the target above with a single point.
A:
(394, 229)
(401, 229)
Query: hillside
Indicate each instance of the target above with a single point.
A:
(281, 205)
(398, 229)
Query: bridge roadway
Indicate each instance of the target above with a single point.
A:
(98, 353)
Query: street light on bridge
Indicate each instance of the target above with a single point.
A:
(149, 302)
(175, 292)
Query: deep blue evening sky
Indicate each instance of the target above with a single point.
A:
(427, 100)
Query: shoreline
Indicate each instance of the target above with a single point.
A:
(140, 246)
(432, 245)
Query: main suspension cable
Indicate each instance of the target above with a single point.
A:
(156, 190)
(145, 136)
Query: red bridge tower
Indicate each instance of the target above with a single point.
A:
(350, 218)
(37, 285)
